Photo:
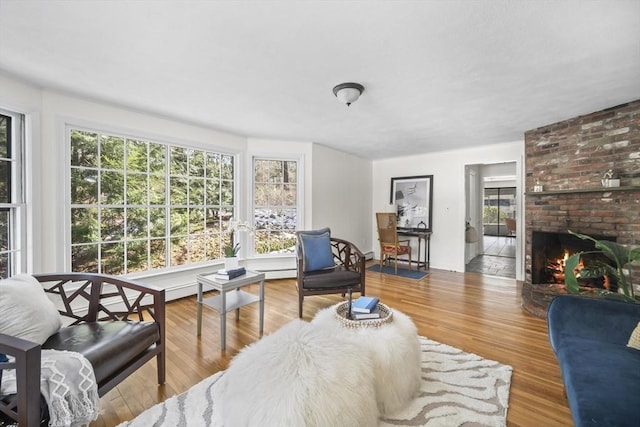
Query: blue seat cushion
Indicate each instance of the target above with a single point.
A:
(316, 248)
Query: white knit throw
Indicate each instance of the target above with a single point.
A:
(68, 384)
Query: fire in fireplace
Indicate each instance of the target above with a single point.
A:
(549, 252)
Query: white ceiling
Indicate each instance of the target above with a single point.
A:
(437, 74)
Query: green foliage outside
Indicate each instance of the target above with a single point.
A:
(126, 217)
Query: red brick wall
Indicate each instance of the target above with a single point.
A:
(574, 155)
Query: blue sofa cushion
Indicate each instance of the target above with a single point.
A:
(602, 382)
(601, 374)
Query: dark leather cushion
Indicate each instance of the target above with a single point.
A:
(109, 345)
(331, 279)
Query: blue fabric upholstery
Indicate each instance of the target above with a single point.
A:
(316, 247)
(601, 374)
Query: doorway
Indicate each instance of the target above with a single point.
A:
(492, 212)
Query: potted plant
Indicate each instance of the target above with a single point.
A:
(231, 250)
(624, 257)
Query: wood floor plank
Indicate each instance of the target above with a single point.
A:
(478, 314)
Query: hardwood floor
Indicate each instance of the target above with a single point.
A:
(477, 314)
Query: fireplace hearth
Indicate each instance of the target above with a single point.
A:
(549, 250)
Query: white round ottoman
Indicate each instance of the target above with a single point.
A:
(300, 375)
(394, 349)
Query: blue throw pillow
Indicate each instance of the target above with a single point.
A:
(316, 246)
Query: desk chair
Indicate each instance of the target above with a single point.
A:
(390, 246)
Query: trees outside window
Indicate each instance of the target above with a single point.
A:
(12, 221)
(275, 205)
(140, 205)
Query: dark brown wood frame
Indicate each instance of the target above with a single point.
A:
(137, 299)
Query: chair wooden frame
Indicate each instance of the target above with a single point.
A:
(390, 245)
(102, 298)
(348, 258)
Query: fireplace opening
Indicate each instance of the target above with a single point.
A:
(550, 250)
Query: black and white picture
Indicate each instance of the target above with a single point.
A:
(412, 196)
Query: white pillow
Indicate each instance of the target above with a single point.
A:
(25, 310)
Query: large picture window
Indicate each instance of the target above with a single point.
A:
(275, 205)
(140, 205)
(12, 230)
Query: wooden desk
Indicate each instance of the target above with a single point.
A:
(420, 235)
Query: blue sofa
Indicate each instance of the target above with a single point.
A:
(601, 374)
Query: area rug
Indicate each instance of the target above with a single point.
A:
(457, 389)
(402, 272)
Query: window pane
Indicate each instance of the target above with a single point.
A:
(137, 223)
(178, 161)
(226, 164)
(196, 249)
(84, 225)
(157, 159)
(113, 258)
(4, 266)
(112, 227)
(5, 136)
(179, 254)
(112, 188)
(84, 149)
(290, 194)
(179, 219)
(226, 189)
(84, 186)
(196, 191)
(84, 258)
(4, 229)
(158, 253)
(290, 172)
(178, 191)
(137, 189)
(157, 190)
(157, 224)
(196, 220)
(196, 163)
(213, 191)
(112, 152)
(5, 181)
(137, 259)
(137, 156)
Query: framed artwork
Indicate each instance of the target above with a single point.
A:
(412, 197)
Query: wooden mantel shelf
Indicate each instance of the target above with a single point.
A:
(583, 190)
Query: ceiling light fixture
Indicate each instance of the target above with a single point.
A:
(348, 92)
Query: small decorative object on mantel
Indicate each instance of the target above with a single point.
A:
(609, 181)
(537, 188)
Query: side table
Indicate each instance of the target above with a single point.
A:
(227, 301)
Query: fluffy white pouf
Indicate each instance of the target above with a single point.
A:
(395, 350)
(300, 375)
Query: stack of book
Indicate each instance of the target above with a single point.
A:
(365, 308)
(230, 274)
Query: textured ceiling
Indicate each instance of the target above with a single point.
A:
(437, 75)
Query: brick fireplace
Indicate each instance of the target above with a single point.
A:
(566, 162)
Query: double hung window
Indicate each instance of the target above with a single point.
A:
(275, 205)
(12, 209)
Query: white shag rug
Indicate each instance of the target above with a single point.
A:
(456, 389)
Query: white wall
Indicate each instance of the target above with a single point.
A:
(342, 195)
(448, 170)
(331, 179)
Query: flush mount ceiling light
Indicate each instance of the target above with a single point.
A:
(348, 92)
